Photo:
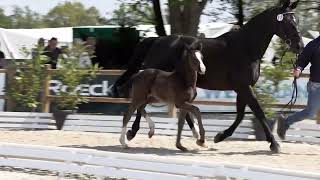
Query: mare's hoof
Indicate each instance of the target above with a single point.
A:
(219, 137)
(130, 135)
(201, 143)
(275, 147)
(179, 146)
(151, 133)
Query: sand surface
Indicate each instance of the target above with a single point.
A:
(293, 156)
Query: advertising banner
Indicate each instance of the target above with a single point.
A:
(102, 85)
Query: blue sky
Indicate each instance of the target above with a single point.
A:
(42, 6)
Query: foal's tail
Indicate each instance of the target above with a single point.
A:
(125, 87)
(135, 64)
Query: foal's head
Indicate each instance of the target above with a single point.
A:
(192, 54)
(285, 24)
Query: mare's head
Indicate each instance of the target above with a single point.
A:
(285, 24)
(192, 54)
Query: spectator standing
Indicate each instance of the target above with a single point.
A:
(53, 52)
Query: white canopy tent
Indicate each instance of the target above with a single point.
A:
(13, 40)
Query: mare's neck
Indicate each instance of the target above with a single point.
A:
(255, 36)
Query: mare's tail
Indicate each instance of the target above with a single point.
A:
(135, 65)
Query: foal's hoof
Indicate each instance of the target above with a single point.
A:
(219, 137)
(151, 133)
(179, 146)
(130, 135)
(201, 143)
(124, 146)
(195, 131)
(275, 147)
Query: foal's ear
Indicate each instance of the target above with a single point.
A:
(294, 4)
(186, 50)
(197, 45)
(187, 47)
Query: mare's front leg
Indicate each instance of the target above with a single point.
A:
(135, 126)
(258, 112)
(196, 112)
(241, 105)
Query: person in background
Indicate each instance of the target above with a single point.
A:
(39, 47)
(91, 43)
(86, 59)
(3, 61)
(310, 54)
(53, 52)
(41, 42)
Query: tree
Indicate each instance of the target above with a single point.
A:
(237, 10)
(25, 18)
(308, 13)
(159, 25)
(72, 14)
(4, 20)
(131, 13)
(184, 16)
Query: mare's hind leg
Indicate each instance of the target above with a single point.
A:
(148, 119)
(182, 116)
(196, 112)
(241, 105)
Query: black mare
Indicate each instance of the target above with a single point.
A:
(232, 61)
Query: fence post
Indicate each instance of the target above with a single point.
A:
(45, 101)
(11, 71)
(318, 117)
(172, 110)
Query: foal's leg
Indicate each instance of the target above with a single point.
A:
(196, 112)
(241, 105)
(135, 126)
(193, 126)
(258, 112)
(126, 118)
(182, 115)
(148, 119)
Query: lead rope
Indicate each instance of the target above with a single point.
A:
(294, 85)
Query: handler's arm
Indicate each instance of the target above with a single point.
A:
(306, 55)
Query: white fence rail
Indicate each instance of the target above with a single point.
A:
(26, 120)
(164, 126)
(300, 132)
(121, 165)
